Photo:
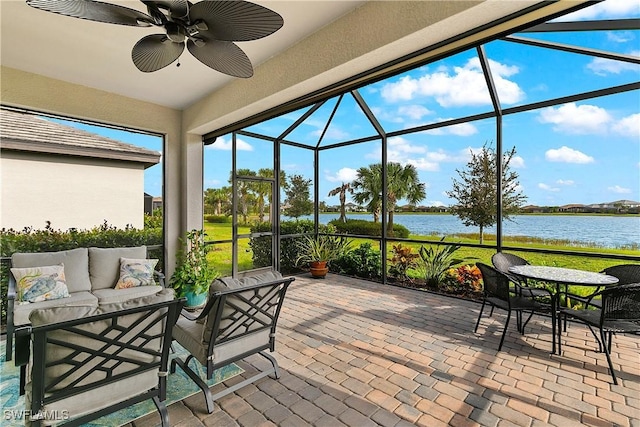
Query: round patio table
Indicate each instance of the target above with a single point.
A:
(562, 276)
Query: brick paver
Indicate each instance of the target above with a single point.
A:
(357, 353)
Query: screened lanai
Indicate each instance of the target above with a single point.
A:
(546, 100)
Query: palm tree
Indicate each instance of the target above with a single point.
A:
(402, 183)
(217, 197)
(342, 191)
(367, 189)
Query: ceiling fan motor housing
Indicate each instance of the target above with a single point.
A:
(207, 28)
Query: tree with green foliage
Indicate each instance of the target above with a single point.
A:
(244, 192)
(218, 199)
(298, 199)
(367, 189)
(403, 182)
(342, 191)
(476, 191)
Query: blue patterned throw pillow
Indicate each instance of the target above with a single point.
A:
(36, 284)
(136, 272)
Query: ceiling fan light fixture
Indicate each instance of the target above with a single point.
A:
(207, 28)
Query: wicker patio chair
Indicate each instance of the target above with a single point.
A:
(619, 313)
(497, 294)
(238, 320)
(625, 273)
(502, 261)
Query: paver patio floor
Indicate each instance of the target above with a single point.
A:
(357, 353)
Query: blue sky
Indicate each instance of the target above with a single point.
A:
(581, 152)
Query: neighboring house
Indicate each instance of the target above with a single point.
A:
(70, 177)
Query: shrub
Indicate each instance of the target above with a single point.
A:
(218, 219)
(52, 240)
(401, 261)
(363, 261)
(436, 261)
(261, 246)
(367, 228)
(463, 280)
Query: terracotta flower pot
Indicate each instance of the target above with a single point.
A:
(318, 269)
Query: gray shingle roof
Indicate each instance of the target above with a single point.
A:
(21, 131)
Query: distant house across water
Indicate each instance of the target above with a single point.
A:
(70, 177)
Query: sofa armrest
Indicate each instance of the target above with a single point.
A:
(159, 277)
(11, 290)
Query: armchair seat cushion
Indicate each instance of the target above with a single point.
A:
(21, 312)
(110, 296)
(189, 335)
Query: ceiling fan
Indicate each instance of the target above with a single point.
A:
(208, 28)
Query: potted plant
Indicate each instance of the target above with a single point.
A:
(193, 274)
(318, 251)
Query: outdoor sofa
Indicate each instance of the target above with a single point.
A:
(86, 362)
(88, 277)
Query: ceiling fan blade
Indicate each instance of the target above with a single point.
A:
(178, 8)
(222, 56)
(95, 11)
(155, 52)
(236, 20)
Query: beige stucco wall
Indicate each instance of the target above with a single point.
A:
(36, 92)
(70, 192)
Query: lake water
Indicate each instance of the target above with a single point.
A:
(605, 231)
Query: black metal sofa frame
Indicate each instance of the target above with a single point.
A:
(95, 353)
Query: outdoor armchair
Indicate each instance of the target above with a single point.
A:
(619, 313)
(87, 362)
(498, 295)
(238, 320)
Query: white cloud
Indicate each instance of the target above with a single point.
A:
(343, 175)
(546, 187)
(628, 126)
(460, 129)
(576, 119)
(565, 182)
(225, 145)
(413, 112)
(461, 86)
(402, 151)
(606, 9)
(619, 190)
(565, 154)
(517, 162)
(620, 37)
(604, 66)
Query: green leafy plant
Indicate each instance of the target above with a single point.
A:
(436, 261)
(402, 260)
(193, 273)
(321, 248)
(363, 261)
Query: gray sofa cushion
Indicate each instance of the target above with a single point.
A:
(104, 264)
(110, 296)
(76, 265)
(21, 312)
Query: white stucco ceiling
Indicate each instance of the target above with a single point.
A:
(98, 55)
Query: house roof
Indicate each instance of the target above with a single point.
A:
(20, 131)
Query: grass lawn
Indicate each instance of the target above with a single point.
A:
(220, 255)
